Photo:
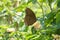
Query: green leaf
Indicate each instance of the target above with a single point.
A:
(1, 8)
(33, 1)
(21, 7)
(41, 0)
(21, 24)
(33, 30)
(58, 19)
(50, 17)
(58, 3)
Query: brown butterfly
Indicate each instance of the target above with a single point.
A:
(30, 17)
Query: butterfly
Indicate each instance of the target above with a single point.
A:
(30, 17)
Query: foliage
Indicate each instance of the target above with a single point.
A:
(12, 13)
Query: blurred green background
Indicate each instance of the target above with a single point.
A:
(12, 13)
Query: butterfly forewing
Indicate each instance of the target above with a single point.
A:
(30, 17)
